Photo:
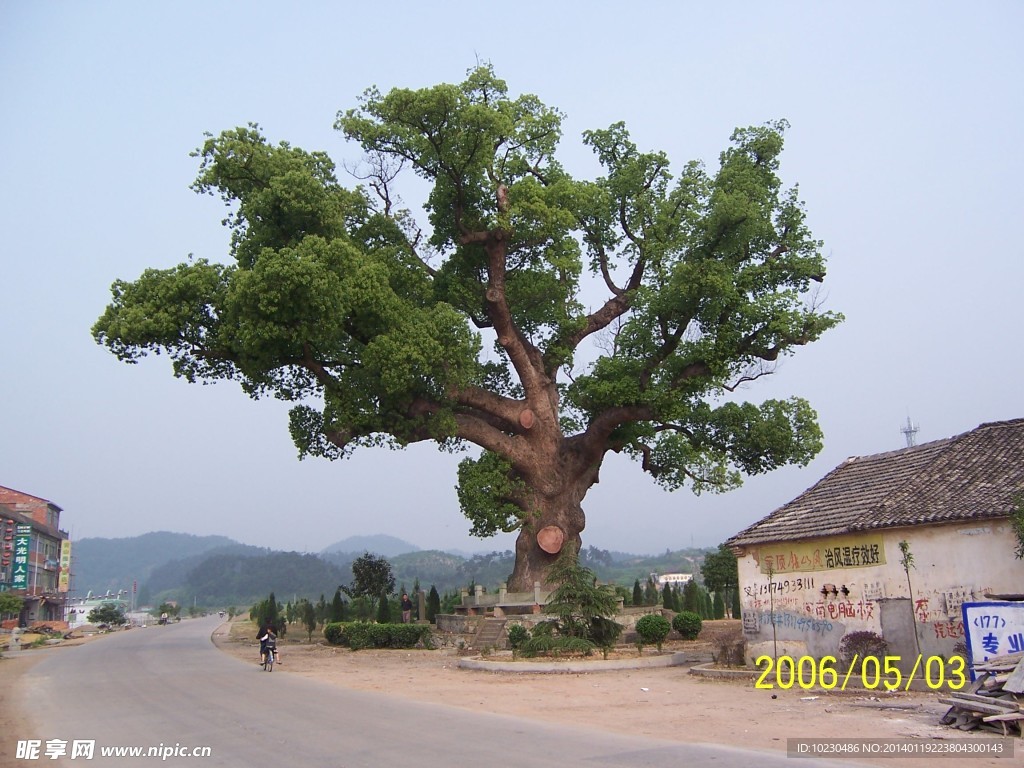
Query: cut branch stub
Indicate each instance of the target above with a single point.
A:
(526, 418)
(493, 295)
(550, 538)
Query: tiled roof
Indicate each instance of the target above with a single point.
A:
(972, 476)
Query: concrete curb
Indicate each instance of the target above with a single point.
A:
(596, 665)
(709, 670)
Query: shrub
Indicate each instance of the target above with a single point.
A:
(604, 633)
(538, 644)
(863, 644)
(517, 635)
(550, 645)
(652, 629)
(687, 624)
(357, 635)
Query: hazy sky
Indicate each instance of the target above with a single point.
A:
(905, 142)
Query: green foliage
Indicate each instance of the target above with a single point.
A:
(359, 635)
(517, 636)
(107, 613)
(737, 607)
(308, 615)
(604, 633)
(1017, 524)
(10, 605)
(653, 629)
(265, 614)
(718, 607)
(542, 644)
(692, 597)
(687, 624)
(638, 593)
(433, 604)
(337, 297)
(720, 571)
(218, 578)
(487, 491)
(650, 592)
(383, 610)
(371, 577)
(577, 598)
(337, 609)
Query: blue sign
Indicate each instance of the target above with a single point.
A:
(993, 629)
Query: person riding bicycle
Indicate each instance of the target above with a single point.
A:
(268, 642)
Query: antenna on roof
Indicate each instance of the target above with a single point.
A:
(910, 432)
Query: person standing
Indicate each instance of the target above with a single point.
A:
(406, 609)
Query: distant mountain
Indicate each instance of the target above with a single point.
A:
(169, 577)
(217, 571)
(100, 565)
(380, 544)
(242, 580)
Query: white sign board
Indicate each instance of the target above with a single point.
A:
(993, 629)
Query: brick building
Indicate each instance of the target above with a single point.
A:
(35, 555)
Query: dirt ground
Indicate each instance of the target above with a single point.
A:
(665, 703)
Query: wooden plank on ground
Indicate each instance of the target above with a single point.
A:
(1015, 683)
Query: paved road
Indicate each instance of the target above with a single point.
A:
(169, 687)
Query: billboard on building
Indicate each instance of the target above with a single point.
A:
(64, 579)
(22, 539)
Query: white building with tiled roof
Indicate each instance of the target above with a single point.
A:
(829, 562)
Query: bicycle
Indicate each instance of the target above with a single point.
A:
(268, 660)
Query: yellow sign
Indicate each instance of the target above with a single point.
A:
(64, 579)
(837, 553)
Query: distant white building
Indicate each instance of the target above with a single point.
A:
(675, 579)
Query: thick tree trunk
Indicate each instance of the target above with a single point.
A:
(561, 514)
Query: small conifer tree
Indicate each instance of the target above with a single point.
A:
(638, 593)
(433, 604)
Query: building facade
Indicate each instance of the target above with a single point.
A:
(35, 561)
(893, 543)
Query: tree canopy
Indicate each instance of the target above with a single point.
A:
(478, 325)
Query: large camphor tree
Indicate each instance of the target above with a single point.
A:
(545, 319)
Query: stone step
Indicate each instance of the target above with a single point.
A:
(489, 634)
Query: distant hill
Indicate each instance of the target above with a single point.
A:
(165, 581)
(215, 571)
(242, 580)
(379, 544)
(100, 565)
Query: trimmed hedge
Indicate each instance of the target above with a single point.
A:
(359, 634)
(687, 624)
(652, 629)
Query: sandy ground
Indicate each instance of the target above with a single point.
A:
(665, 703)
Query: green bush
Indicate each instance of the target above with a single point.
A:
(517, 635)
(604, 633)
(652, 629)
(358, 635)
(687, 624)
(550, 645)
(537, 645)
